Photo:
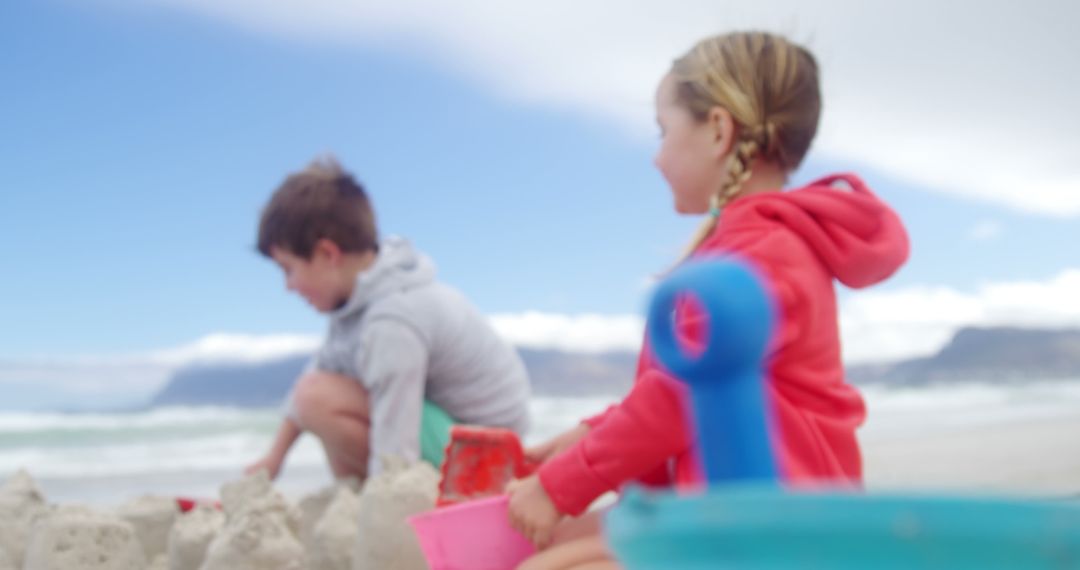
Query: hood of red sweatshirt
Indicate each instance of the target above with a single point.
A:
(859, 238)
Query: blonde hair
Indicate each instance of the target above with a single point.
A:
(770, 87)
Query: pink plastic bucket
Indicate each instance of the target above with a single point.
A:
(471, 536)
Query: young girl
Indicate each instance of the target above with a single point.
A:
(737, 115)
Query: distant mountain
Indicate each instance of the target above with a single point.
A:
(243, 385)
(557, 373)
(984, 354)
(1000, 354)
(552, 372)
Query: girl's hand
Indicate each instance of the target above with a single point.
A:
(531, 511)
(556, 445)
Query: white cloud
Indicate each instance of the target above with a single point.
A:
(875, 326)
(572, 333)
(918, 321)
(971, 98)
(225, 347)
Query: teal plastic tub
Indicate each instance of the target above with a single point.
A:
(763, 528)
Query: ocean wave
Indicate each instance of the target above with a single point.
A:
(172, 417)
(229, 451)
(970, 404)
(171, 440)
(60, 446)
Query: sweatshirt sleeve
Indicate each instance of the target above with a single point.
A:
(644, 361)
(393, 368)
(633, 439)
(598, 419)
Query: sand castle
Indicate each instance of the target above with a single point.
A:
(81, 537)
(21, 504)
(344, 527)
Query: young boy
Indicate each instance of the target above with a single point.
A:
(405, 356)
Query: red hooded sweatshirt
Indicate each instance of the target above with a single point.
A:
(799, 241)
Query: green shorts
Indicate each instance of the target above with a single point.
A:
(435, 426)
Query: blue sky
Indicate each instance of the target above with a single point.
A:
(138, 142)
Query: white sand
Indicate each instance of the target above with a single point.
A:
(255, 540)
(261, 529)
(312, 509)
(5, 560)
(256, 529)
(314, 505)
(79, 537)
(153, 518)
(21, 504)
(191, 536)
(333, 536)
(257, 494)
(385, 540)
(1031, 457)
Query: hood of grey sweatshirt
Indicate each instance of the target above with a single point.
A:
(398, 267)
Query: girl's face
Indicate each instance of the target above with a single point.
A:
(692, 153)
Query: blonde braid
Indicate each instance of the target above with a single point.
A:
(739, 171)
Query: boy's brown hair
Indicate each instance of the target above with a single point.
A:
(320, 202)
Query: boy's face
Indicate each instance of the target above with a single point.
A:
(318, 280)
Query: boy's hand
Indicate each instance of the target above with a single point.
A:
(270, 463)
(556, 445)
(531, 511)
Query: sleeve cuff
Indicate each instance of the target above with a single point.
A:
(598, 419)
(570, 483)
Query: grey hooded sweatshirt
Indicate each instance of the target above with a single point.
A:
(406, 337)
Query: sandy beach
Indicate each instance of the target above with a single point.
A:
(1029, 456)
(1019, 439)
(969, 441)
